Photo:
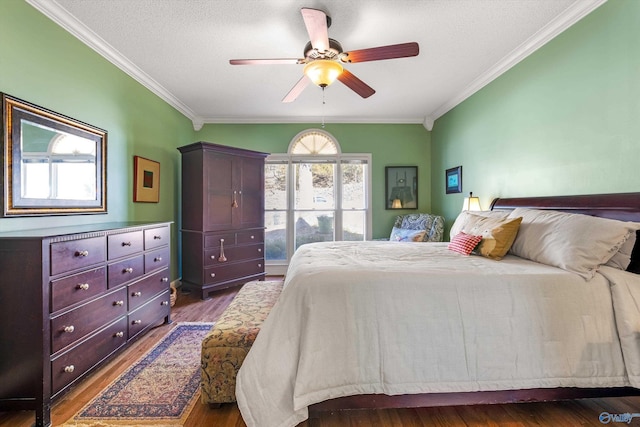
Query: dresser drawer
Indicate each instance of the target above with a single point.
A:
(125, 271)
(141, 291)
(124, 244)
(222, 273)
(156, 237)
(75, 324)
(213, 240)
(75, 254)
(149, 314)
(233, 254)
(250, 236)
(70, 365)
(156, 259)
(77, 288)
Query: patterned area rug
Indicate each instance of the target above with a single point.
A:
(160, 389)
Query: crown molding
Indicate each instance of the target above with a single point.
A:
(578, 10)
(315, 119)
(52, 10)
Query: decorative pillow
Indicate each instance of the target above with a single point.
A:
(464, 217)
(406, 235)
(622, 258)
(497, 234)
(464, 243)
(573, 242)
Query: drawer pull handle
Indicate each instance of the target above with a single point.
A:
(136, 322)
(83, 286)
(253, 237)
(136, 294)
(126, 243)
(157, 259)
(118, 303)
(164, 279)
(69, 329)
(234, 203)
(259, 265)
(213, 274)
(82, 253)
(157, 237)
(119, 334)
(222, 258)
(128, 270)
(69, 369)
(164, 303)
(259, 250)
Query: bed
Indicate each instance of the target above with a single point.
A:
(386, 324)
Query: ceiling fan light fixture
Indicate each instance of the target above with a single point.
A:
(323, 72)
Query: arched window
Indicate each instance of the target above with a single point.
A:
(314, 193)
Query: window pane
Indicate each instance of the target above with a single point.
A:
(275, 186)
(314, 185)
(353, 225)
(314, 227)
(275, 238)
(353, 185)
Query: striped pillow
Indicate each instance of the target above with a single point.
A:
(464, 243)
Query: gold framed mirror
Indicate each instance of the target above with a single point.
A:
(53, 164)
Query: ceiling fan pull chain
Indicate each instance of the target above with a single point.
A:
(323, 108)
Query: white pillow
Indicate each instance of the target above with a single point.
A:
(573, 242)
(622, 258)
(465, 216)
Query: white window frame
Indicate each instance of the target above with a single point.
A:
(279, 267)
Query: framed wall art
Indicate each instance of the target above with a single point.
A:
(453, 180)
(401, 187)
(146, 179)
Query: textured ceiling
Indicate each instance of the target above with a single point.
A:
(180, 49)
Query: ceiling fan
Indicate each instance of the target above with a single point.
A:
(323, 58)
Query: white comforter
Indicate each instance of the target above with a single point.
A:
(399, 318)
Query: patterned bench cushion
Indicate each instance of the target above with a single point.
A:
(227, 344)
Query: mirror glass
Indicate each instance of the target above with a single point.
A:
(53, 164)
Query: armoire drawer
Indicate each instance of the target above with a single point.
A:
(140, 292)
(70, 365)
(77, 288)
(250, 236)
(233, 254)
(125, 271)
(156, 237)
(148, 314)
(156, 259)
(75, 324)
(124, 244)
(75, 254)
(222, 273)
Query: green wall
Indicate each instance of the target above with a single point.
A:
(390, 145)
(564, 121)
(45, 65)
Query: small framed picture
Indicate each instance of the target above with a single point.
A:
(401, 187)
(453, 180)
(146, 180)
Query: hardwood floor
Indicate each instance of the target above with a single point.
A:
(188, 308)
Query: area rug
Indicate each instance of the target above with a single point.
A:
(160, 389)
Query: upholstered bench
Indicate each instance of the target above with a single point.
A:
(227, 344)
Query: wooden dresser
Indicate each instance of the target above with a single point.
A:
(222, 216)
(70, 298)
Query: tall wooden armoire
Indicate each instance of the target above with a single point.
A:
(222, 216)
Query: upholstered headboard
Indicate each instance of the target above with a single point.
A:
(620, 206)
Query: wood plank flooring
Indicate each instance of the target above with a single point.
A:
(188, 309)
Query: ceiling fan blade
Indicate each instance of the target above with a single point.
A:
(402, 50)
(316, 22)
(355, 84)
(296, 90)
(293, 61)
